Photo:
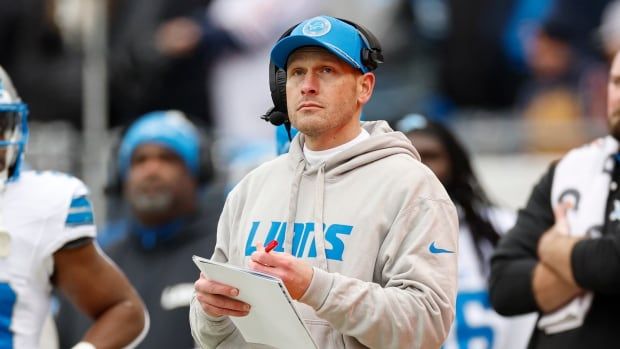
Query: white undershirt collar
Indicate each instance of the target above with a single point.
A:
(315, 157)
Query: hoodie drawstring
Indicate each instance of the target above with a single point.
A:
(292, 207)
(319, 202)
(319, 234)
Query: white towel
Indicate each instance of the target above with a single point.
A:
(582, 177)
(568, 317)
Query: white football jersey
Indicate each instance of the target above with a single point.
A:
(41, 212)
(477, 325)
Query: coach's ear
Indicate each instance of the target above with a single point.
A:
(365, 87)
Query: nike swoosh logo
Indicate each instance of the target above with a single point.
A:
(436, 250)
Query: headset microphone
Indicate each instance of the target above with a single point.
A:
(275, 117)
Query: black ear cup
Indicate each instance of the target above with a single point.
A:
(277, 85)
(372, 56)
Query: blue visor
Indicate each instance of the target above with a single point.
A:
(336, 36)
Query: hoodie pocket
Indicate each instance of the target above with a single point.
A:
(324, 335)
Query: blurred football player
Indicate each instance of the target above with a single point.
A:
(46, 241)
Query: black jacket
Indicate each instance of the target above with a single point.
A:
(595, 264)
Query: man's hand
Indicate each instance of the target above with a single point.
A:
(216, 299)
(551, 291)
(295, 273)
(559, 228)
(555, 246)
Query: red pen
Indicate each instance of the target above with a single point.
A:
(271, 245)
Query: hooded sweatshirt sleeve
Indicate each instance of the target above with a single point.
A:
(209, 331)
(413, 305)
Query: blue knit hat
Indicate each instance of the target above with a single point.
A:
(170, 129)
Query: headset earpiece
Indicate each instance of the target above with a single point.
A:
(278, 115)
(277, 85)
(372, 55)
(371, 58)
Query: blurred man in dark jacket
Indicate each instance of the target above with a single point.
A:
(173, 208)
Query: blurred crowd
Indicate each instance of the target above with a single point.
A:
(541, 64)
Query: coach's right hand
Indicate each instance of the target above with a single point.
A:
(217, 299)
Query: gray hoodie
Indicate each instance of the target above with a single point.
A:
(376, 225)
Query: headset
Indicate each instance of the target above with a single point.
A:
(371, 55)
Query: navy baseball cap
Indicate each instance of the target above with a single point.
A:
(334, 35)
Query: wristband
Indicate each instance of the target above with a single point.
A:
(84, 345)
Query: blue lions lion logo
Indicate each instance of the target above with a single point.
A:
(317, 26)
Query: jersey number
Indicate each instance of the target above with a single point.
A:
(466, 332)
(7, 304)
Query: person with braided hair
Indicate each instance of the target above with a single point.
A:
(481, 223)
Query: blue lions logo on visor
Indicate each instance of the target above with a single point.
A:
(317, 26)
